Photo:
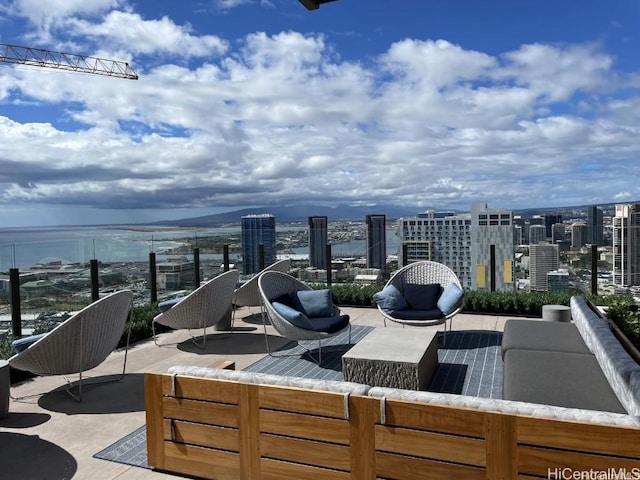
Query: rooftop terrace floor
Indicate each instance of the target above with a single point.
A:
(49, 432)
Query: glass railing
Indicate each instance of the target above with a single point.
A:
(54, 264)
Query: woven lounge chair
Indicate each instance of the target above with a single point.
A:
(204, 307)
(248, 295)
(81, 342)
(279, 291)
(421, 294)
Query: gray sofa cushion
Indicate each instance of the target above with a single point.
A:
(572, 380)
(541, 335)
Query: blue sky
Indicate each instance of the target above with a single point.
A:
(246, 103)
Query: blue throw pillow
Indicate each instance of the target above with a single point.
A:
(450, 299)
(292, 315)
(23, 343)
(315, 303)
(390, 298)
(422, 297)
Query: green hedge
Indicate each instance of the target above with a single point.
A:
(499, 303)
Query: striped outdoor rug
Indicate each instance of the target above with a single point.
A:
(469, 363)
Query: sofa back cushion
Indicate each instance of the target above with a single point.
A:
(420, 296)
(615, 362)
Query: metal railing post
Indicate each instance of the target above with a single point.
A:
(196, 266)
(16, 317)
(594, 269)
(153, 287)
(328, 265)
(95, 293)
(492, 267)
(225, 256)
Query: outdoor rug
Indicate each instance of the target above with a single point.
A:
(469, 364)
(297, 362)
(130, 450)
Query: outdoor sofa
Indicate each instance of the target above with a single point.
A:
(579, 364)
(222, 424)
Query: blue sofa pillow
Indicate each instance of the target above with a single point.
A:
(292, 315)
(315, 303)
(390, 299)
(450, 299)
(422, 297)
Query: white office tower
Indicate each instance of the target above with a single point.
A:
(578, 235)
(518, 235)
(543, 258)
(626, 245)
(492, 248)
(537, 234)
(441, 237)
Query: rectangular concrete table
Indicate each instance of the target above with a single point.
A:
(393, 357)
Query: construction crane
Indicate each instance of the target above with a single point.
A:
(40, 57)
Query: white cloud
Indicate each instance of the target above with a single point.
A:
(280, 119)
(42, 15)
(130, 32)
(557, 73)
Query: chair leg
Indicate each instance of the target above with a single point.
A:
(293, 355)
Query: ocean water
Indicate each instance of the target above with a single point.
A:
(25, 247)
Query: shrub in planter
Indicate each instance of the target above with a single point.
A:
(625, 314)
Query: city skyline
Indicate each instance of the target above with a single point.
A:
(249, 103)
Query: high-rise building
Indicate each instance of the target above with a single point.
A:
(558, 232)
(376, 241)
(595, 226)
(518, 236)
(492, 248)
(626, 245)
(549, 222)
(537, 234)
(523, 224)
(318, 238)
(578, 235)
(258, 230)
(530, 222)
(441, 237)
(543, 258)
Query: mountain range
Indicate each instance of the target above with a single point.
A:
(295, 213)
(300, 213)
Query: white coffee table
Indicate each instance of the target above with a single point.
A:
(403, 358)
